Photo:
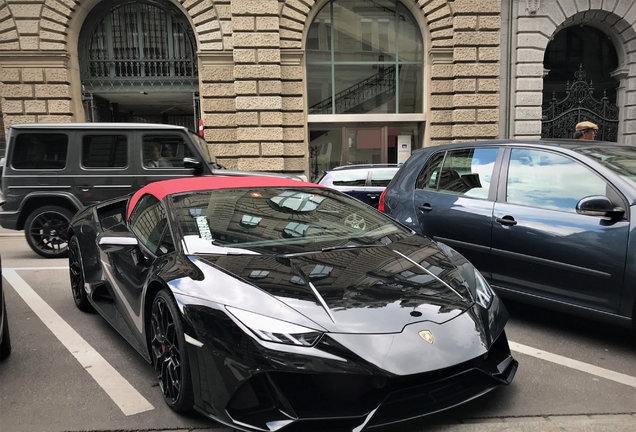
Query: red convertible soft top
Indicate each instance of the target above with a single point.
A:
(160, 189)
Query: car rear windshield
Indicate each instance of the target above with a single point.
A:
(279, 221)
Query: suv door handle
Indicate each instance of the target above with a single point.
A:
(84, 188)
(426, 207)
(507, 221)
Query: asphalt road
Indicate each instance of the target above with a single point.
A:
(574, 375)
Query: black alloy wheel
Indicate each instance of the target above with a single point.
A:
(76, 273)
(46, 231)
(169, 355)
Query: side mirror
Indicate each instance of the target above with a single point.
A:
(114, 243)
(193, 164)
(126, 242)
(598, 205)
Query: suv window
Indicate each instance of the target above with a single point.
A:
(164, 150)
(356, 177)
(40, 151)
(104, 151)
(150, 224)
(543, 179)
(468, 172)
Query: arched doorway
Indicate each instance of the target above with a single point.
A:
(138, 64)
(579, 85)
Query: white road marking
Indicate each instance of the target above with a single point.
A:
(129, 400)
(35, 268)
(514, 346)
(574, 364)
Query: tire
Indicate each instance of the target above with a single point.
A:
(5, 346)
(46, 231)
(169, 353)
(76, 273)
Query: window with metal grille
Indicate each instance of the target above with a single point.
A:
(138, 40)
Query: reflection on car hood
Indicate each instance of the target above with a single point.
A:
(362, 290)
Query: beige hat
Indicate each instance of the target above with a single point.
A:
(585, 125)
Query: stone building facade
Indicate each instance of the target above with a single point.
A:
(252, 72)
(547, 42)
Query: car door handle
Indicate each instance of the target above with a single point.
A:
(426, 207)
(507, 221)
(372, 196)
(84, 188)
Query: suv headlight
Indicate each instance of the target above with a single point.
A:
(273, 330)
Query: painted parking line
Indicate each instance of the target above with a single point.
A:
(514, 346)
(123, 394)
(574, 364)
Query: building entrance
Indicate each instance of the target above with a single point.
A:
(138, 64)
(332, 146)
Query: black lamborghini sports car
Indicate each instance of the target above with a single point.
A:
(273, 304)
(5, 338)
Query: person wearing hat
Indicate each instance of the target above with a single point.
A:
(585, 130)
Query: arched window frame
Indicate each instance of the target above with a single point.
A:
(172, 68)
(319, 39)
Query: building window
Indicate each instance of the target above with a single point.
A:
(137, 40)
(372, 62)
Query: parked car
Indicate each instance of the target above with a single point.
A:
(53, 170)
(548, 223)
(5, 339)
(265, 301)
(364, 182)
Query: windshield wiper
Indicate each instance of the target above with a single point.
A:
(344, 246)
(350, 246)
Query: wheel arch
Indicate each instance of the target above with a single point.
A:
(34, 202)
(151, 292)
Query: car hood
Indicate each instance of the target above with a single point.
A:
(355, 290)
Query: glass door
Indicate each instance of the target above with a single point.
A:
(365, 145)
(333, 146)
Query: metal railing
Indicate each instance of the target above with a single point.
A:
(359, 93)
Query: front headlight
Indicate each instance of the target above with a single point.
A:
(483, 291)
(479, 287)
(273, 330)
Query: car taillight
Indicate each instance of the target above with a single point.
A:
(381, 202)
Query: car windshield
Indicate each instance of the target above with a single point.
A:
(621, 160)
(203, 148)
(279, 221)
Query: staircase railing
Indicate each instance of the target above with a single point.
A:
(359, 93)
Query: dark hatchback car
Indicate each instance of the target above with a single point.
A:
(363, 182)
(548, 223)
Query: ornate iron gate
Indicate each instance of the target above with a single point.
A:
(559, 117)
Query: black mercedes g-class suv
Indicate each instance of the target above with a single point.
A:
(53, 170)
